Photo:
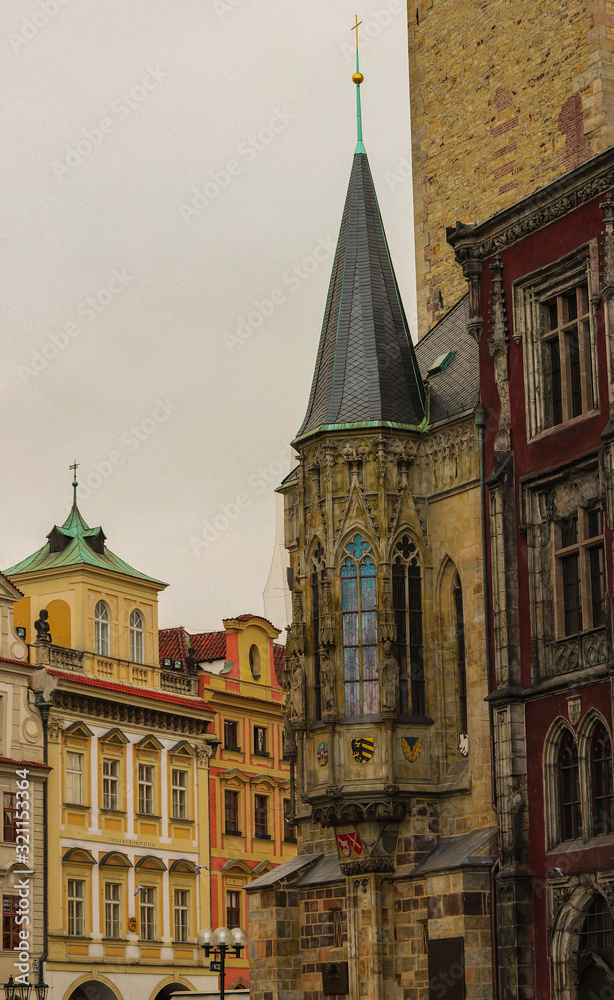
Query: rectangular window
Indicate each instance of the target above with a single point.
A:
(146, 789)
(231, 811)
(10, 929)
(148, 913)
(260, 812)
(74, 778)
(112, 910)
(289, 827)
(580, 572)
(76, 907)
(110, 784)
(260, 741)
(233, 911)
(10, 819)
(568, 358)
(231, 735)
(181, 912)
(180, 794)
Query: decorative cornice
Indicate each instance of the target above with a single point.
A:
(127, 714)
(366, 866)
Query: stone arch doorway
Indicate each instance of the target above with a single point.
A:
(167, 991)
(92, 990)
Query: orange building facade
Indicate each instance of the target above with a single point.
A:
(240, 675)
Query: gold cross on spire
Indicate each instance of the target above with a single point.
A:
(74, 468)
(355, 28)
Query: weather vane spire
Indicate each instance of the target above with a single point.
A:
(357, 79)
(74, 468)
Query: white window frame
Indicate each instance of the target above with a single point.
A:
(76, 907)
(146, 789)
(181, 915)
(102, 629)
(112, 910)
(74, 778)
(179, 793)
(148, 913)
(137, 637)
(110, 783)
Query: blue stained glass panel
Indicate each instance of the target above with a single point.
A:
(352, 671)
(350, 630)
(369, 628)
(370, 698)
(349, 594)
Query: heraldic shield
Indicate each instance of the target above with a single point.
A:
(411, 747)
(362, 748)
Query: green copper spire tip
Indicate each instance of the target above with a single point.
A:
(357, 79)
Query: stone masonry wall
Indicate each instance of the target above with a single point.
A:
(504, 98)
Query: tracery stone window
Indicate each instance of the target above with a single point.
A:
(359, 615)
(316, 603)
(597, 931)
(407, 606)
(602, 800)
(570, 816)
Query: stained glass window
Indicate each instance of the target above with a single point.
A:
(316, 588)
(407, 605)
(359, 609)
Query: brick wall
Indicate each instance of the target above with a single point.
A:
(504, 98)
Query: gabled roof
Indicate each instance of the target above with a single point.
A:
(73, 544)
(455, 388)
(366, 370)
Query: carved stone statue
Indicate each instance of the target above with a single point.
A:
(289, 737)
(389, 674)
(191, 662)
(43, 632)
(297, 690)
(327, 683)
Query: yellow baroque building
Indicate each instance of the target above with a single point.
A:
(129, 750)
(250, 797)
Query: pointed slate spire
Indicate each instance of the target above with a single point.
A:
(366, 370)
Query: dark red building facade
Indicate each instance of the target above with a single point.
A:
(541, 298)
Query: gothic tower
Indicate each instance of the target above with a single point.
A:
(505, 97)
(386, 724)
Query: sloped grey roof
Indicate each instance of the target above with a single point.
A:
(455, 390)
(325, 870)
(456, 852)
(366, 369)
(282, 871)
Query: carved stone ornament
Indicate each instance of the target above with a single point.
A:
(298, 625)
(498, 350)
(327, 634)
(560, 895)
(297, 690)
(290, 748)
(54, 730)
(203, 754)
(389, 679)
(574, 709)
(607, 277)
(328, 683)
(366, 866)
(386, 625)
(43, 632)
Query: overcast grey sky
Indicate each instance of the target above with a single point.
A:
(173, 176)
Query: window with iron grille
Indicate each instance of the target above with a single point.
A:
(110, 783)
(148, 913)
(260, 813)
(182, 915)
(602, 801)
(233, 910)
(10, 929)
(597, 932)
(74, 778)
(580, 572)
(112, 910)
(76, 907)
(570, 815)
(179, 794)
(10, 817)
(231, 735)
(146, 789)
(231, 812)
(289, 827)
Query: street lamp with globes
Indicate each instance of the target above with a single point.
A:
(220, 941)
(25, 991)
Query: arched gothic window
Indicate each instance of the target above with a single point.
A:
(407, 605)
(601, 781)
(459, 622)
(101, 629)
(136, 637)
(597, 932)
(570, 816)
(359, 613)
(316, 600)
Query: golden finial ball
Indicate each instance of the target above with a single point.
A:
(357, 79)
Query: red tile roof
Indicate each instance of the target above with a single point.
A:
(209, 646)
(172, 643)
(21, 663)
(25, 763)
(171, 699)
(279, 655)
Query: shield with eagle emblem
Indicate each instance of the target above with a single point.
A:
(411, 747)
(362, 748)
